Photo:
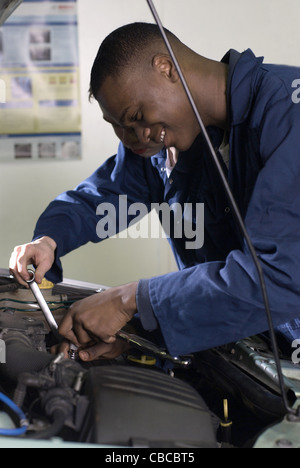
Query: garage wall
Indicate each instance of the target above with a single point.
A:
(269, 27)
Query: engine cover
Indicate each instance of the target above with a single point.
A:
(150, 409)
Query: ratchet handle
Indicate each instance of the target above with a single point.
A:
(142, 344)
(42, 302)
(133, 340)
(47, 313)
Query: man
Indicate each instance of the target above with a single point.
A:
(253, 121)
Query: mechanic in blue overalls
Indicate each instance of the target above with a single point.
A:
(252, 114)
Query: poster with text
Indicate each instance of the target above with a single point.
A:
(40, 115)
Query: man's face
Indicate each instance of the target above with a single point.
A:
(148, 112)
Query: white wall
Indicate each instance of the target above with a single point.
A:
(268, 27)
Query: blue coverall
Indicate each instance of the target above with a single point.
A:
(215, 297)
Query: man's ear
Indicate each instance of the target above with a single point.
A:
(164, 65)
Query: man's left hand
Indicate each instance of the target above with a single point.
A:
(97, 319)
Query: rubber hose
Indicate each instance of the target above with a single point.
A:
(58, 422)
(22, 357)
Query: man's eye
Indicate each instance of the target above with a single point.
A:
(136, 117)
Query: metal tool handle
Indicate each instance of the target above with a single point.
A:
(133, 340)
(47, 312)
(141, 343)
(42, 302)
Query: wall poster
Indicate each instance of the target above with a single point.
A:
(40, 115)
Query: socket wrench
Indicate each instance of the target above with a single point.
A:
(47, 313)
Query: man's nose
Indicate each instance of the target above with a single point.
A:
(130, 136)
(143, 135)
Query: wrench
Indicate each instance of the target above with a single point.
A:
(142, 344)
(133, 340)
(47, 312)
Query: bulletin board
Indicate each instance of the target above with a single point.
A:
(40, 115)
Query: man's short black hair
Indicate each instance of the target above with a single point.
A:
(122, 48)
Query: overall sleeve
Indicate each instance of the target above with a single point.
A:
(216, 303)
(72, 218)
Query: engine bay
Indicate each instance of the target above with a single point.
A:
(225, 397)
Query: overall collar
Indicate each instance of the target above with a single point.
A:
(243, 68)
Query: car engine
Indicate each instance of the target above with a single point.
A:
(225, 397)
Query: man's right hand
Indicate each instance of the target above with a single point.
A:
(40, 253)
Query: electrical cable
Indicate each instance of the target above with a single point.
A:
(59, 305)
(23, 421)
(8, 299)
(31, 310)
(233, 204)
